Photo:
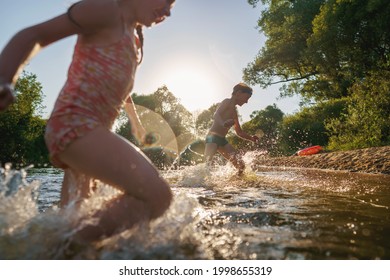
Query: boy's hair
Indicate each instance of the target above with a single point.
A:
(243, 88)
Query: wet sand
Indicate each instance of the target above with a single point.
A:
(371, 160)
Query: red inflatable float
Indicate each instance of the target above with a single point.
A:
(309, 151)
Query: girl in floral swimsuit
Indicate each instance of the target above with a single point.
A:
(99, 82)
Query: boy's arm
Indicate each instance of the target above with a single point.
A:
(242, 134)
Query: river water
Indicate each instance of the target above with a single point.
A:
(272, 213)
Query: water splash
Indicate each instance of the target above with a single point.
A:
(267, 214)
(22, 226)
(173, 236)
(204, 175)
(11, 180)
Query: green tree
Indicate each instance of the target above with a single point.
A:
(164, 103)
(328, 50)
(21, 126)
(147, 101)
(177, 123)
(265, 122)
(319, 48)
(170, 108)
(284, 58)
(308, 127)
(350, 39)
(367, 120)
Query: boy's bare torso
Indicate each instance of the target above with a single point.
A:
(226, 111)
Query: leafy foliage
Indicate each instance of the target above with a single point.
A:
(367, 120)
(328, 50)
(22, 128)
(164, 103)
(287, 25)
(308, 127)
(265, 122)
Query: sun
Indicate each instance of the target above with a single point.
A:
(195, 87)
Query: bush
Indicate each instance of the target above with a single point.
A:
(367, 120)
(308, 127)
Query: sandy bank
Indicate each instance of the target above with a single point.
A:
(370, 160)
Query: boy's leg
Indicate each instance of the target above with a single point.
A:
(209, 151)
(231, 154)
(104, 155)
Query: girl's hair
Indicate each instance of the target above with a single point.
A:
(140, 34)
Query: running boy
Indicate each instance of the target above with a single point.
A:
(224, 118)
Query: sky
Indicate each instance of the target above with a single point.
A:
(198, 53)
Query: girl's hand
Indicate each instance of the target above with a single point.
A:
(151, 138)
(138, 131)
(6, 96)
(255, 139)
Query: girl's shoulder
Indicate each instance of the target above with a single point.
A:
(96, 12)
(99, 4)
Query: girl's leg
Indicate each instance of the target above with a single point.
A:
(75, 186)
(231, 154)
(122, 212)
(106, 156)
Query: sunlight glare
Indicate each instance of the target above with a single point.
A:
(194, 87)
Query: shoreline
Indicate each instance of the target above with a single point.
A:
(370, 160)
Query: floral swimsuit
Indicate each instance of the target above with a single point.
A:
(100, 79)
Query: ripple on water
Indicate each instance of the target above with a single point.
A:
(267, 214)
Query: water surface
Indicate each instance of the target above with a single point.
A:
(272, 213)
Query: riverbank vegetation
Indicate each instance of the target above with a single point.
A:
(333, 54)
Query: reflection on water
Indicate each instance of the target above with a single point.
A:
(268, 214)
